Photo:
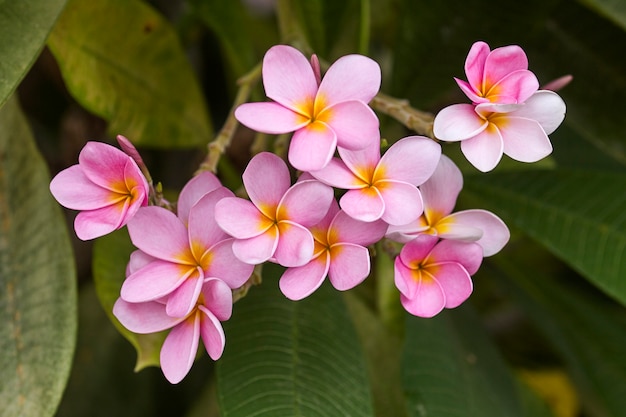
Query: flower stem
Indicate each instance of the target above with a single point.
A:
(401, 110)
(364, 29)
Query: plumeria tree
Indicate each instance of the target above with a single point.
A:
(260, 208)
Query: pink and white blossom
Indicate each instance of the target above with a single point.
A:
(432, 275)
(322, 115)
(383, 187)
(488, 130)
(440, 193)
(498, 76)
(340, 253)
(185, 255)
(213, 305)
(106, 186)
(273, 224)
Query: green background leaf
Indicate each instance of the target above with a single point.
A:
(19, 47)
(286, 358)
(123, 61)
(37, 278)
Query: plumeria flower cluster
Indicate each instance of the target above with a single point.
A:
(190, 260)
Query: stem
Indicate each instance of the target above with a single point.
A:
(364, 29)
(401, 110)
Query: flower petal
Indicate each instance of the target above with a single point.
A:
(514, 87)
(183, 299)
(306, 202)
(195, 188)
(402, 201)
(312, 147)
(203, 229)
(349, 230)
(524, 139)
(495, 232)
(455, 282)
(365, 204)
(179, 349)
(475, 64)
(218, 298)
(405, 278)
(299, 282)
(240, 218)
(91, 224)
(270, 117)
(143, 318)
(412, 159)
(138, 260)
(503, 61)
(295, 245)
(458, 122)
(354, 123)
(257, 249)
(351, 77)
(104, 165)
(361, 162)
(72, 189)
(428, 301)
(484, 150)
(266, 179)
(155, 280)
(212, 334)
(349, 265)
(416, 251)
(469, 255)
(223, 264)
(441, 190)
(546, 107)
(288, 77)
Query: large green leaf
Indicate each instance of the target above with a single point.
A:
(291, 359)
(587, 330)
(123, 61)
(580, 216)
(452, 369)
(110, 257)
(614, 10)
(22, 42)
(37, 278)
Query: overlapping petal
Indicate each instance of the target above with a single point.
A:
(469, 255)
(441, 190)
(270, 117)
(312, 147)
(295, 246)
(257, 249)
(224, 265)
(484, 150)
(351, 77)
(91, 224)
(155, 280)
(203, 230)
(240, 218)
(306, 202)
(495, 233)
(183, 299)
(195, 188)
(218, 298)
(104, 165)
(365, 204)
(337, 174)
(179, 349)
(350, 265)
(428, 300)
(354, 123)
(72, 189)
(266, 179)
(523, 139)
(455, 282)
(299, 282)
(402, 201)
(212, 334)
(458, 122)
(412, 159)
(143, 318)
(348, 229)
(546, 107)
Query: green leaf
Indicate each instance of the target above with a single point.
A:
(286, 358)
(586, 329)
(123, 61)
(37, 278)
(23, 42)
(452, 369)
(110, 257)
(579, 216)
(614, 10)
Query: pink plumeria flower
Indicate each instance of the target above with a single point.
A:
(487, 130)
(273, 224)
(185, 255)
(213, 305)
(383, 187)
(106, 186)
(322, 115)
(439, 194)
(498, 76)
(340, 253)
(434, 275)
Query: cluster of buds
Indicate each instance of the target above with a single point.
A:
(189, 262)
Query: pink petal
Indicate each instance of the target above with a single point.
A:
(257, 249)
(288, 77)
(447, 228)
(469, 255)
(458, 122)
(295, 245)
(223, 264)
(475, 64)
(136, 183)
(484, 150)
(402, 201)
(406, 232)
(349, 230)
(503, 61)
(195, 188)
(203, 229)
(473, 95)
(428, 301)
(143, 318)
(72, 189)
(266, 179)
(351, 77)
(138, 260)
(441, 190)
(405, 278)
(416, 251)
(104, 165)
(240, 218)
(312, 147)
(337, 174)
(322, 226)
(179, 349)
(212, 334)
(349, 265)
(272, 118)
(183, 299)
(362, 162)
(514, 87)
(412, 159)
(366, 204)
(218, 298)
(306, 202)
(495, 232)
(159, 233)
(546, 107)
(524, 139)
(155, 280)
(455, 282)
(91, 224)
(354, 123)
(299, 282)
